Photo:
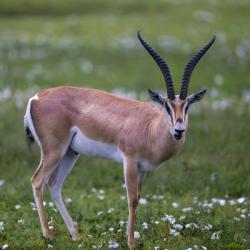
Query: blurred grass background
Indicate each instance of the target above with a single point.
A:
(93, 43)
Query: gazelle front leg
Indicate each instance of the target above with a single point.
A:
(140, 178)
(131, 180)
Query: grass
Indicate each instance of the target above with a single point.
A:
(86, 43)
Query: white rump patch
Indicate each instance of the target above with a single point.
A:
(28, 120)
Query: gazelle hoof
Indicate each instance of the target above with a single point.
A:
(48, 235)
(76, 236)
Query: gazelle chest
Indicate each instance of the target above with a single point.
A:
(83, 145)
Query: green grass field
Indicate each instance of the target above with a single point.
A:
(197, 200)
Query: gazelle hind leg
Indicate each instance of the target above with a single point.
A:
(45, 167)
(54, 186)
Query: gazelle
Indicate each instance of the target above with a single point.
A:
(69, 121)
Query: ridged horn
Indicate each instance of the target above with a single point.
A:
(162, 65)
(190, 67)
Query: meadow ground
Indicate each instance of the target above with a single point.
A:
(197, 200)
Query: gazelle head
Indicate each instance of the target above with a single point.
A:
(176, 106)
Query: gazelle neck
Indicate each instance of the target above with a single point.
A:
(164, 143)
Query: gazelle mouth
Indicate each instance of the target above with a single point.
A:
(177, 136)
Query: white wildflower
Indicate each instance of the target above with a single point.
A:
(169, 218)
(195, 199)
(206, 204)
(241, 200)
(121, 223)
(158, 197)
(207, 227)
(113, 244)
(236, 219)
(110, 210)
(32, 204)
(173, 232)
(137, 234)
(93, 190)
(21, 221)
(50, 246)
(1, 226)
(218, 79)
(203, 247)
(182, 217)
(86, 66)
(232, 202)
(123, 197)
(5, 246)
(143, 201)
(216, 235)
(68, 200)
(101, 197)
(178, 226)
(111, 229)
(243, 216)
(17, 206)
(187, 209)
(54, 209)
(128, 42)
(246, 96)
(51, 204)
(243, 211)
(145, 225)
(5, 94)
(99, 213)
(191, 225)
(221, 202)
(204, 16)
(175, 204)
(2, 182)
(156, 248)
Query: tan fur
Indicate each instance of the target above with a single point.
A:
(139, 129)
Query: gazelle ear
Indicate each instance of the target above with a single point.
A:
(196, 97)
(156, 97)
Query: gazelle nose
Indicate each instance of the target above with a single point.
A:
(179, 131)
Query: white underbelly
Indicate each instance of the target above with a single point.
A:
(86, 146)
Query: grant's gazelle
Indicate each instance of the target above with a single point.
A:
(69, 121)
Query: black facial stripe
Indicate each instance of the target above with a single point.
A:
(186, 108)
(168, 109)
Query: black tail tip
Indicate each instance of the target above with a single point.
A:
(29, 138)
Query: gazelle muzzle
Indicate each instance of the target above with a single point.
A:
(179, 129)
